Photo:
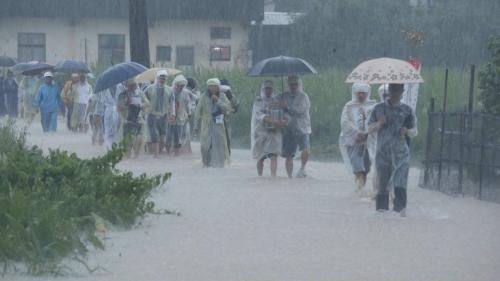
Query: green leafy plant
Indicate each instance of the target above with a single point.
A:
(52, 205)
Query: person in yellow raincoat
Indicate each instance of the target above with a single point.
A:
(67, 97)
(29, 86)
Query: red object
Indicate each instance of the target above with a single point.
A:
(416, 63)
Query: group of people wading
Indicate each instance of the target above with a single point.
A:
(160, 119)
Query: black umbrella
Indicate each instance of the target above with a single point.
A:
(6, 61)
(36, 68)
(117, 74)
(72, 66)
(281, 66)
(22, 66)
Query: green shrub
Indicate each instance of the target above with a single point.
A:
(51, 204)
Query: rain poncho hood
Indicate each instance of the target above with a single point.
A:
(213, 82)
(179, 79)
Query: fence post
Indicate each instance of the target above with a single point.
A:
(428, 147)
(481, 160)
(463, 116)
(471, 87)
(443, 123)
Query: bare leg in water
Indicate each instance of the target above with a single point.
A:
(304, 157)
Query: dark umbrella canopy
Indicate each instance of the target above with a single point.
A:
(72, 66)
(36, 68)
(20, 67)
(281, 66)
(117, 74)
(6, 61)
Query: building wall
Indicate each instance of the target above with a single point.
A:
(65, 38)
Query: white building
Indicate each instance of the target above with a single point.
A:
(69, 30)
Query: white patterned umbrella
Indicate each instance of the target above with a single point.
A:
(385, 70)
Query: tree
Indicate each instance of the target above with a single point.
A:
(138, 27)
(489, 79)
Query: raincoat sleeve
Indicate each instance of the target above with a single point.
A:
(224, 104)
(299, 109)
(198, 114)
(145, 102)
(258, 111)
(348, 129)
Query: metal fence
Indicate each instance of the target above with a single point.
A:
(462, 155)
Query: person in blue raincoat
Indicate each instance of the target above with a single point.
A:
(49, 102)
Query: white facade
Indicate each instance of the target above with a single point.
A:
(78, 39)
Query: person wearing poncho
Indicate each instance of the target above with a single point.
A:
(158, 94)
(131, 106)
(393, 121)
(106, 105)
(353, 136)
(296, 134)
(266, 131)
(67, 97)
(29, 87)
(178, 115)
(209, 120)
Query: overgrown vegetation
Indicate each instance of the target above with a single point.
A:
(51, 205)
(489, 79)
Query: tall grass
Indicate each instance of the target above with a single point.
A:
(328, 93)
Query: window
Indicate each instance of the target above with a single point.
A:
(185, 56)
(163, 53)
(220, 53)
(111, 48)
(31, 46)
(220, 33)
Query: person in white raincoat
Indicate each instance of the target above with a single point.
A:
(107, 100)
(158, 95)
(393, 121)
(352, 140)
(296, 134)
(178, 116)
(265, 131)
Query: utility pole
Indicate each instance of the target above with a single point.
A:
(138, 28)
